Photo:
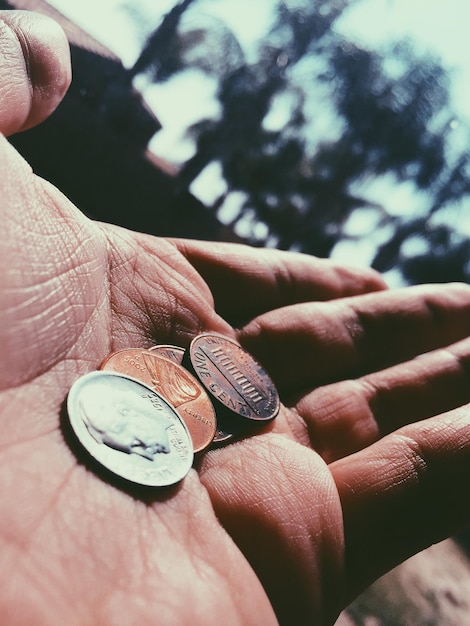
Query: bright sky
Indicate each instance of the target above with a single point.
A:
(110, 21)
(123, 26)
(438, 27)
(441, 27)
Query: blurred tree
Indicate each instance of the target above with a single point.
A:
(348, 115)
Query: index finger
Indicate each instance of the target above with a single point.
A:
(317, 343)
(247, 281)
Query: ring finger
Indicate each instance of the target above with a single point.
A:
(344, 417)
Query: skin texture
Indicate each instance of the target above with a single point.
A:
(362, 468)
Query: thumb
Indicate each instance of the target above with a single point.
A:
(35, 69)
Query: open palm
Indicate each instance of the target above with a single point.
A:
(284, 526)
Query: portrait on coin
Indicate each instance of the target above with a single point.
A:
(124, 421)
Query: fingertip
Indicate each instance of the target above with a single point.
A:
(349, 279)
(35, 70)
(364, 280)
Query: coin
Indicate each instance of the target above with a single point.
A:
(233, 378)
(176, 354)
(129, 429)
(180, 388)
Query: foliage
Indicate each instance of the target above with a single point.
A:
(352, 118)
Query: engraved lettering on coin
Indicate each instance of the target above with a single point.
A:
(178, 386)
(130, 429)
(233, 377)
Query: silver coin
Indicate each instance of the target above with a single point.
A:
(130, 429)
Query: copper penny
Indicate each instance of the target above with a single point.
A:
(176, 354)
(172, 381)
(233, 378)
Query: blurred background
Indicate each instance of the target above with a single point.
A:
(338, 128)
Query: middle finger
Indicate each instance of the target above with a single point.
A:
(307, 345)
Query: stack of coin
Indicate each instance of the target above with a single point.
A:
(146, 413)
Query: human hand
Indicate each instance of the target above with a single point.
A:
(289, 508)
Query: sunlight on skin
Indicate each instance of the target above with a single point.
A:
(259, 531)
